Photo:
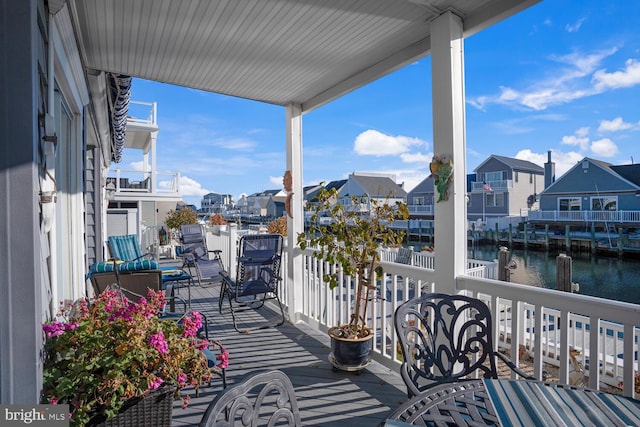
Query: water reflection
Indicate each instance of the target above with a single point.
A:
(600, 276)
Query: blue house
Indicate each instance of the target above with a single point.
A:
(592, 192)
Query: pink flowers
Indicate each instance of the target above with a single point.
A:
(155, 382)
(55, 329)
(223, 357)
(191, 324)
(125, 348)
(158, 342)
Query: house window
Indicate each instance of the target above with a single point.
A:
(494, 176)
(495, 200)
(418, 200)
(609, 203)
(569, 204)
(515, 176)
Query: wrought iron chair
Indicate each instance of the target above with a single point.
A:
(196, 256)
(265, 398)
(446, 338)
(257, 277)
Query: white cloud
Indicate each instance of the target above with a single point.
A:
(583, 131)
(276, 181)
(573, 28)
(416, 157)
(565, 83)
(604, 147)
(614, 125)
(136, 166)
(374, 143)
(581, 142)
(629, 76)
(563, 161)
(188, 187)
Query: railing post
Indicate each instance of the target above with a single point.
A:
(504, 272)
(232, 250)
(563, 273)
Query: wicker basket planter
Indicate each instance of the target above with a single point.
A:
(152, 410)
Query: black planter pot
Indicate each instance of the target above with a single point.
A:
(348, 354)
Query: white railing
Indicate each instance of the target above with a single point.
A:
(566, 319)
(585, 216)
(420, 209)
(143, 113)
(137, 182)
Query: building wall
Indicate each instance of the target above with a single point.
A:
(22, 276)
(526, 185)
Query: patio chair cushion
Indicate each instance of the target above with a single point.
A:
(108, 266)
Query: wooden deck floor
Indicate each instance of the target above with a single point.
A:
(325, 398)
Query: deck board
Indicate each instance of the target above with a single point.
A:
(326, 398)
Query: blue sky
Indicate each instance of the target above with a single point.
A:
(563, 75)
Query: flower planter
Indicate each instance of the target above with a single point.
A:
(350, 354)
(152, 410)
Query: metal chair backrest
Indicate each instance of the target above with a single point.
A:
(265, 398)
(444, 338)
(405, 256)
(258, 266)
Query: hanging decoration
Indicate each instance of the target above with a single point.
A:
(287, 182)
(442, 171)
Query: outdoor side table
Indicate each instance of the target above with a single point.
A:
(174, 279)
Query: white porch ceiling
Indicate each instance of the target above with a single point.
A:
(276, 51)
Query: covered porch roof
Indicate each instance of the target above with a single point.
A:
(276, 51)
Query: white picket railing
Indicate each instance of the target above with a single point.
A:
(566, 319)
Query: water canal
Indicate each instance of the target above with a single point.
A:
(600, 276)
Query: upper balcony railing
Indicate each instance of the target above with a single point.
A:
(142, 113)
(420, 209)
(502, 185)
(586, 216)
(130, 182)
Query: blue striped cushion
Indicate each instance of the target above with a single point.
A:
(102, 267)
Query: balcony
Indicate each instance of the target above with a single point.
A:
(327, 398)
(602, 217)
(416, 210)
(502, 185)
(148, 183)
(606, 332)
(122, 184)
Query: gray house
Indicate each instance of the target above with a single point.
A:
(504, 187)
(592, 192)
(420, 200)
(372, 187)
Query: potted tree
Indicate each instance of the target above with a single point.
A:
(349, 237)
(218, 222)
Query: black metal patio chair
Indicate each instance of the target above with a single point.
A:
(196, 256)
(262, 399)
(257, 277)
(445, 338)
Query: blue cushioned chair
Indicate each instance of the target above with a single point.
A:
(126, 248)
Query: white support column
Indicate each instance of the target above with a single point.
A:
(449, 139)
(154, 175)
(295, 225)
